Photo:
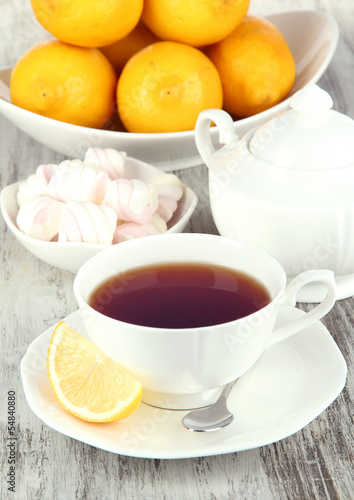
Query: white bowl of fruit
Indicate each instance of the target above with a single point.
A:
(170, 143)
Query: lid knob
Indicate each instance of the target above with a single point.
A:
(311, 99)
(311, 135)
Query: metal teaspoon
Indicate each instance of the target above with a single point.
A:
(213, 417)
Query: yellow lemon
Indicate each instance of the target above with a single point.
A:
(165, 86)
(71, 84)
(256, 67)
(196, 23)
(120, 52)
(88, 23)
(86, 382)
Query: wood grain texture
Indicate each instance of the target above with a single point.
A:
(315, 463)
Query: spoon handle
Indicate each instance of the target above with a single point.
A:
(213, 417)
(226, 391)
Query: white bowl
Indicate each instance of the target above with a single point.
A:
(70, 256)
(312, 37)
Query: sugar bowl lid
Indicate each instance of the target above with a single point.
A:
(309, 136)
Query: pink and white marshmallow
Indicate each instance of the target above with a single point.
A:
(170, 190)
(111, 160)
(76, 180)
(87, 222)
(91, 201)
(133, 200)
(130, 230)
(36, 184)
(41, 217)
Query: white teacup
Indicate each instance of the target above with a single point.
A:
(186, 368)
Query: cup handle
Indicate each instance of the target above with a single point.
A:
(202, 132)
(323, 276)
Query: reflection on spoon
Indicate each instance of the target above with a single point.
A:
(213, 417)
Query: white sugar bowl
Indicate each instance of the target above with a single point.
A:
(288, 186)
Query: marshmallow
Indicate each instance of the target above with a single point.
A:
(130, 230)
(76, 180)
(88, 222)
(36, 184)
(41, 217)
(46, 172)
(111, 160)
(167, 207)
(90, 201)
(133, 200)
(168, 185)
(170, 190)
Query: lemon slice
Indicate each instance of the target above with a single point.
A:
(86, 382)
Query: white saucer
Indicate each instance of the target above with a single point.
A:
(291, 385)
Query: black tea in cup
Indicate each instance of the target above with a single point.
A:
(179, 295)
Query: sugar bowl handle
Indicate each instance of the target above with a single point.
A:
(225, 126)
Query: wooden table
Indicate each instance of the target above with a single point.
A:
(316, 462)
